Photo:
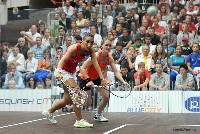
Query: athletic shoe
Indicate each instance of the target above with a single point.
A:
(82, 124)
(100, 118)
(49, 116)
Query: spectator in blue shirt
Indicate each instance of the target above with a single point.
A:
(38, 49)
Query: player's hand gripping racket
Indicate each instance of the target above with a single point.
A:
(78, 96)
(118, 90)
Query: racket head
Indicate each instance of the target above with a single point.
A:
(120, 90)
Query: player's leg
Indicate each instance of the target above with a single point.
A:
(105, 98)
(59, 104)
(80, 123)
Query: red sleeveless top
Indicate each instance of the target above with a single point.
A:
(91, 70)
(71, 64)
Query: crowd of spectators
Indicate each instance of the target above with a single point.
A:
(152, 52)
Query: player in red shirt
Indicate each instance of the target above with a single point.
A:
(66, 70)
(89, 76)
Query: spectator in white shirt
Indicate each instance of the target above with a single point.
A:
(31, 66)
(68, 9)
(31, 35)
(107, 20)
(97, 37)
(17, 58)
(46, 38)
(86, 29)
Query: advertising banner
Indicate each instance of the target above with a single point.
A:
(25, 100)
(140, 101)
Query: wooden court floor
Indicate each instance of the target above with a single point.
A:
(119, 123)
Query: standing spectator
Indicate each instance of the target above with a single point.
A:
(184, 80)
(15, 75)
(31, 36)
(17, 58)
(38, 49)
(159, 80)
(31, 66)
(142, 77)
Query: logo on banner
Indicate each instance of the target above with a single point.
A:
(145, 103)
(192, 104)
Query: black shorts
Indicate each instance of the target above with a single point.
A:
(83, 86)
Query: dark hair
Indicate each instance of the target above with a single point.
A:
(58, 48)
(88, 35)
(147, 35)
(78, 37)
(119, 43)
(124, 66)
(35, 82)
(183, 66)
(5, 44)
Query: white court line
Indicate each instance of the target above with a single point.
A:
(189, 125)
(115, 129)
(17, 124)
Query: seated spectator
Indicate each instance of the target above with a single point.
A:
(138, 43)
(44, 68)
(142, 77)
(11, 84)
(31, 66)
(31, 36)
(38, 49)
(155, 39)
(47, 83)
(32, 83)
(186, 49)
(193, 63)
(15, 75)
(146, 58)
(40, 85)
(190, 25)
(176, 60)
(159, 30)
(129, 60)
(17, 58)
(185, 33)
(168, 48)
(159, 80)
(147, 42)
(127, 76)
(184, 80)
(159, 56)
(23, 48)
(118, 53)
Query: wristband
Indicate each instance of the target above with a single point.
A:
(87, 80)
(58, 70)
